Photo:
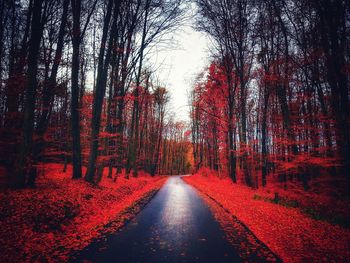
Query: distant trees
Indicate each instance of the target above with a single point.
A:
(275, 99)
(148, 20)
(280, 68)
(49, 60)
(175, 154)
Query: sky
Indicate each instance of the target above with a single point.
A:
(178, 65)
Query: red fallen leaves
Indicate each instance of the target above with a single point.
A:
(63, 215)
(249, 248)
(286, 231)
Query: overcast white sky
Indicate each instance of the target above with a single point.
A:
(178, 66)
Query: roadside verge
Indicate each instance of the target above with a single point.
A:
(61, 215)
(289, 233)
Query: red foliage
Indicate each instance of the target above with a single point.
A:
(288, 232)
(63, 215)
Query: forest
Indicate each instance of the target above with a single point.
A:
(53, 51)
(275, 100)
(89, 136)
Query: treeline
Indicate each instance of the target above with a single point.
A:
(76, 87)
(275, 99)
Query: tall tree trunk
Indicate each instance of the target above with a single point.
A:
(333, 36)
(244, 144)
(24, 162)
(134, 136)
(3, 22)
(231, 101)
(157, 146)
(120, 94)
(232, 156)
(75, 116)
(109, 123)
(100, 89)
(264, 137)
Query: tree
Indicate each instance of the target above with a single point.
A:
(24, 167)
(102, 72)
(77, 36)
(281, 82)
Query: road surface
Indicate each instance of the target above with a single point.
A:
(175, 226)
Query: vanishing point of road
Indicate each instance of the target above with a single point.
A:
(175, 226)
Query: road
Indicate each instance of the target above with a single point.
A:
(175, 226)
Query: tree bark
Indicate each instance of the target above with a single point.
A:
(100, 89)
(134, 136)
(48, 92)
(75, 115)
(24, 162)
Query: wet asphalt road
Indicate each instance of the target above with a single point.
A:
(175, 226)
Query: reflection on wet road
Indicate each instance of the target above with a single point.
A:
(176, 226)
